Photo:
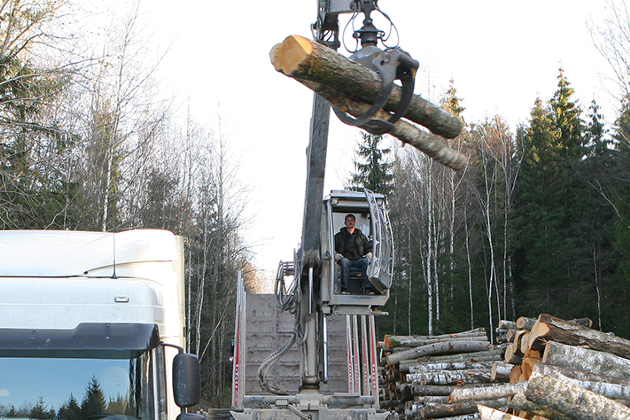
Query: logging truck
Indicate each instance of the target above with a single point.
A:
(91, 326)
(363, 93)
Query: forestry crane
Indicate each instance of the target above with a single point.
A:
(315, 296)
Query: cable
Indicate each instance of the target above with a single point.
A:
(286, 300)
(270, 361)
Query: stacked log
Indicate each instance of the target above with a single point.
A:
(561, 370)
(548, 368)
(422, 371)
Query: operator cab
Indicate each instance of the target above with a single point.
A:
(373, 221)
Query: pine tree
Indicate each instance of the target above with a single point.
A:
(374, 172)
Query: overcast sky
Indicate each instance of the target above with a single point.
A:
(502, 55)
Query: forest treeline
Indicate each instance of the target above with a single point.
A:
(88, 142)
(538, 221)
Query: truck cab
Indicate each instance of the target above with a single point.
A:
(91, 324)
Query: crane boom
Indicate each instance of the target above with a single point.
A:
(316, 293)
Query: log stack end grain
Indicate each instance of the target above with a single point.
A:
(548, 379)
(287, 56)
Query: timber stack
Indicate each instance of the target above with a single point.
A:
(543, 368)
(422, 371)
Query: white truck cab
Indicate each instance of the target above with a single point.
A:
(91, 323)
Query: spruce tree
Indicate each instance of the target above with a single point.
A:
(94, 400)
(374, 172)
(545, 243)
(618, 299)
(70, 410)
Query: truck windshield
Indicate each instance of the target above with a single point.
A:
(76, 389)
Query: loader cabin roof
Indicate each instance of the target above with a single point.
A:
(36, 253)
(350, 201)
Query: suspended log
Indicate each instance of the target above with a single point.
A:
(573, 357)
(444, 410)
(520, 403)
(613, 388)
(573, 401)
(427, 143)
(555, 329)
(488, 413)
(486, 393)
(304, 59)
(445, 347)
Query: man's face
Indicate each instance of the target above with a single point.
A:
(350, 222)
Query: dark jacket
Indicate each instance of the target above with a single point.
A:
(352, 246)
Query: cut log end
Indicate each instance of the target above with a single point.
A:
(287, 56)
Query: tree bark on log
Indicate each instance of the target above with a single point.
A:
(508, 325)
(445, 390)
(519, 402)
(486, 393)
(479, 356)
(512, 355)
(398, 346)
(304, 59)
(392, 341)
(488, 413)
(451, 377)
(427, 143)
(555, 329)
(424, 367)
(573, 357)
(443, 410)
(445, 347)
(613, 388)
(573, 401)
(525, 323)
(528, 365)
(500, 371)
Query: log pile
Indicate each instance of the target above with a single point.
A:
(421, 372)
(543, 368)
(561, 370)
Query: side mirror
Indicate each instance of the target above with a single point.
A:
(186, 380)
